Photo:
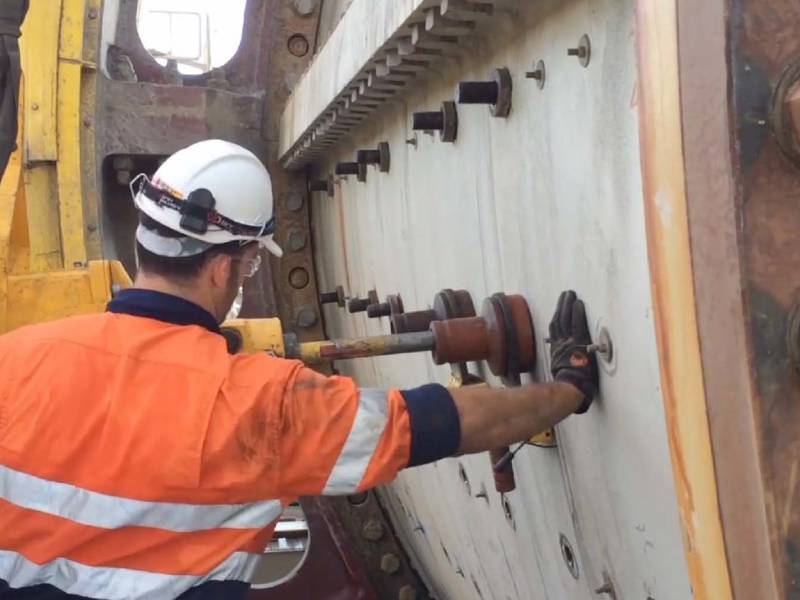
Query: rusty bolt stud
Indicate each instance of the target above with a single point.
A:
(583, 51)
(407, 592)
(495, 92)
(92, 13)
(357, 305)
(445, 121)
(322, 185)
(335, 297)
(381, 157)
(352, 168)
(390, 563)
(392, 306)
(539, 74)
(306, 317)
(373, 530)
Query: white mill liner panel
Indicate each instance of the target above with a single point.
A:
(548, 199)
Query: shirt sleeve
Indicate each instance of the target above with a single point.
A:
(338, 439)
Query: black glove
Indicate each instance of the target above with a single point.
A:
(569, 359)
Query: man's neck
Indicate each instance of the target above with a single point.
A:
(154, 283)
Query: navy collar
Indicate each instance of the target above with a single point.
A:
(162, 307)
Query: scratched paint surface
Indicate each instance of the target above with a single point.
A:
(548, 199)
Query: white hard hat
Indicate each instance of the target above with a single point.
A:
(214, 192)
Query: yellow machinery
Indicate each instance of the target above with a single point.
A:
(50, 256)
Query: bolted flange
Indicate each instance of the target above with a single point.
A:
(335, 297)
(495, 92)
(445, 121)
(381, 157)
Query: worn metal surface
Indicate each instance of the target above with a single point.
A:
(714, 206)
(564, 209)
(763, 47)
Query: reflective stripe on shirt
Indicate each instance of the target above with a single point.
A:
(111, 512)
(367, 430)
(111, 583)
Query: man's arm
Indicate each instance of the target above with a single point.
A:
(493, 418)
(496, 418)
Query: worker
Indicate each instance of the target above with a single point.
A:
(12, 13)
(139, 459)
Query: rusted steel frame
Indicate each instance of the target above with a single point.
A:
(705, 75)
(674, 299)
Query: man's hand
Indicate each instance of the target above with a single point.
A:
(571, 362)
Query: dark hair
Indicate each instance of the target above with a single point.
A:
(182, 267)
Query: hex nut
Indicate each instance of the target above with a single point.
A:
(373, 530)
(407, 592)
(306, 317)
(294, 202)
(390, 563)
(296, 240)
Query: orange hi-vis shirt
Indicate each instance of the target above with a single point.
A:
(138, 459)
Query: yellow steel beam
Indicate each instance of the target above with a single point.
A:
(41, 204)
(40, 39)
(70, 193)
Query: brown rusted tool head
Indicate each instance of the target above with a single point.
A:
(503, 336)
(419, 320)
(512, 339)
(460, 340)
(453, 304)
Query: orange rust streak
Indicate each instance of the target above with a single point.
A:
(674, 300)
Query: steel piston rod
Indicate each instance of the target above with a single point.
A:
(381, 345)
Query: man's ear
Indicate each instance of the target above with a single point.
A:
(219, 268)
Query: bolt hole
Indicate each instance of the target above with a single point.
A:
(446, 553)
(509, 513)
(569, 556)
(462, 473)
(477, 587)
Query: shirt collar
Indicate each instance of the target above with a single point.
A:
(162, 307)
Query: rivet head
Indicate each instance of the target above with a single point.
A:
(92, 13)
(34, 106)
